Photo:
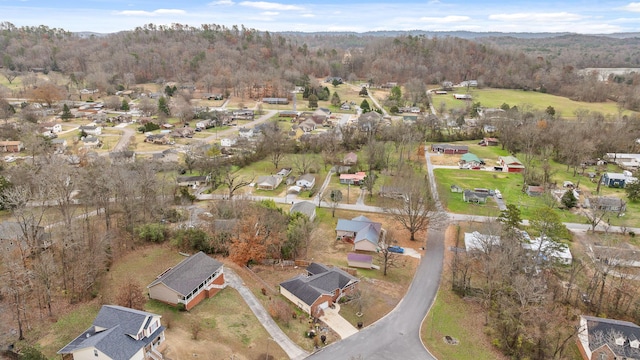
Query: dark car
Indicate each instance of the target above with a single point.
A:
(396, 249)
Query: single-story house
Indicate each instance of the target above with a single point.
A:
(305, 208)
(449, 149)
(319, 289)
(119, 333)
(476, 241)
(284, 172)
(534, 190)
(470, 158)
(475, 196)
(275, 101)
(194, 279)
(192, 181)
(268, 182)
(59, 145)
(226, 142)
(124, 156)
(161, 138)
(362, 232)
(11, 146)
(91, 142)
(306, 181)
(615, 180)
(308, 125)
(91, 130)
(12, 234)
(353, 179)
(462, 96)
(489, 141)
(510, 164)
(549, 249)
(601, 338)
(357, 260)
(606, 203)
(246, 133)
(350, 159)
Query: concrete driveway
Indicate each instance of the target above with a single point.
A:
(337, 323)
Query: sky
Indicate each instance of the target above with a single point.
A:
(106, 16)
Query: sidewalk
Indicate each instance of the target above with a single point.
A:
(337, 323)
(291, 348)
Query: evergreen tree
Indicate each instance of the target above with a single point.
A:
(365, 106)
(313, 101)
(569, 200)
(335, 99)
(363, 91)
(66, 113)
(125, 105)
(163, 107)
(396, 93)
(633, 191)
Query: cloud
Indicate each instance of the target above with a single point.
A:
(270, 13)
(222, 3)
(446, 19)
(537, 17)
(634, 7)
(152, 13)
(264, 5)
(307, 15)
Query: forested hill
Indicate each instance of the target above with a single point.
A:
(236, 58)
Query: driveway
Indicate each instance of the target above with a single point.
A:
(337, 323)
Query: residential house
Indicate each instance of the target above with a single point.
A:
(369, 121)
(91, 130)
(226, 142)
(350, 159)
(243, 114)
(275, 101)
(284, 172)
(161, 139)
(470, 159)
(122, 157)
(306, 181)
(183, 132)
(510, 164)
(534, 190)
(357, 260)
(353, 179)
(319, 289)
(449, 149)
(546, 249)
(489, 128)
(601, 338)
(305, 208)
(119, 333)
(90, 142)
(489, 142)
(476, 241)
(12, 237)
(475, 196)
(606, 203)
(51, 127)
(289, 113)
(11, 146)
(362, 232)
(192, 181)
(615, 180)
(268, 182)
(308, 125)
(59, 145)
(246, 133)
(194, 279)
(462, 96)
(345, 106)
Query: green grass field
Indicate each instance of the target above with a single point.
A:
(494, 98)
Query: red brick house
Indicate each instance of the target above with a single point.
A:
(194, 279)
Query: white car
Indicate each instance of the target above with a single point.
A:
(10, 158)
(498, 194)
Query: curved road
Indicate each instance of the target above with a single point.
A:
(397, 335)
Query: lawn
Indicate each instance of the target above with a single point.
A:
(494, 98)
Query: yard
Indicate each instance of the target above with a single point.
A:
(494, 98)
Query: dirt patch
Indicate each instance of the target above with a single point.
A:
(445, 159)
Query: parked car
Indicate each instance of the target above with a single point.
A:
(396, 249)
(498, 194)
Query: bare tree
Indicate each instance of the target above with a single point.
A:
(234, 182)
(130, 295)
(303, 163)
(10, 75)
(389, 259)
(416, 210)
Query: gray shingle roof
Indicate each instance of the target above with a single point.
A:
(304, 207)
(189, 273)
(310, 288)
(364, 228)
(115, 341)
(628, 330)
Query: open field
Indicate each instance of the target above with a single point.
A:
(494, 98)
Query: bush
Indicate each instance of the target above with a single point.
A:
(153, 232)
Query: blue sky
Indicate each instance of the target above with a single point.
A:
(579, 16)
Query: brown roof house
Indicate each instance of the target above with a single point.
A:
(319, 289)
(194, 279)
(119, 333)
(350, 159)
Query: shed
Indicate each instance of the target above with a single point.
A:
(357, 260)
